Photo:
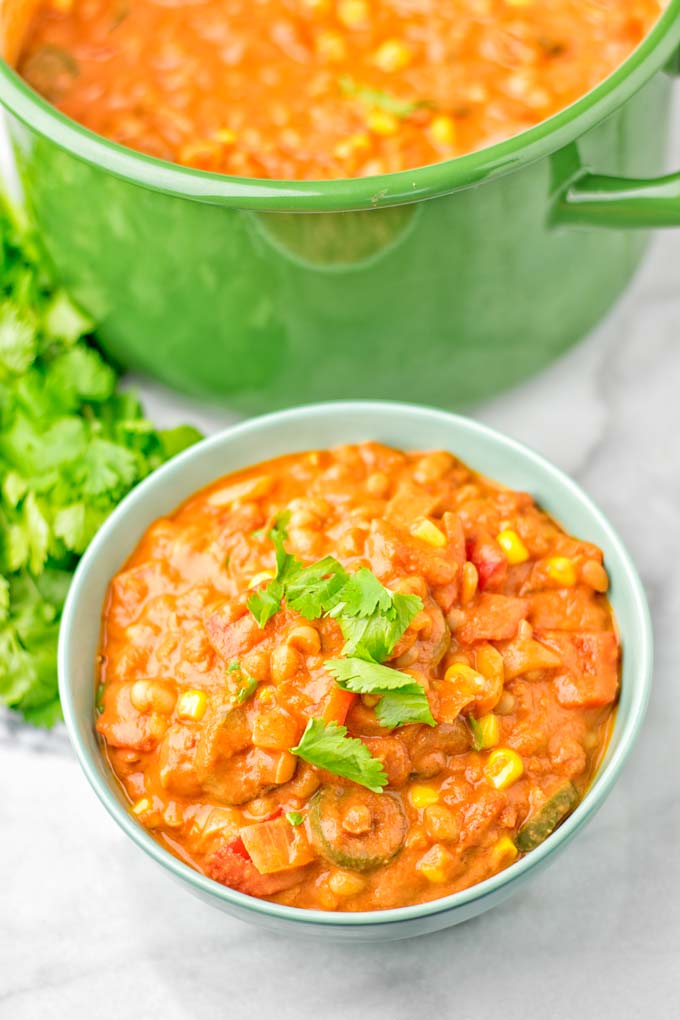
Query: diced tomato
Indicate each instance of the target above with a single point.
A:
(491, 562)
(592, 663)
(232, 639)
(275, 845)
(230, 867)
(455, 533)
(492, 618)
(568, 609)
(480, 814)
(238, 847)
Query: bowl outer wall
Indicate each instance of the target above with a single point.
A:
(315, 427)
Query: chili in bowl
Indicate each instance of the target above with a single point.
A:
(353, 683)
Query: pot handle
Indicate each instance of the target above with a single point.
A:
(596, 200)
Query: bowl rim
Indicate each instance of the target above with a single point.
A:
(597, 792)
(348, 194)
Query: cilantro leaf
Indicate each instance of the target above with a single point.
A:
(311, 590)
(265, 602)
(402, 699)
(82, 374)
(18, 339)
(64, 321)
(407, 705)
(477, 733)
(327, 746)
(362, 596)
(295, 817)
(247, 690)
(4, 598)
(371, 617)
(364, 677)
(175, 440)
(375, 637)
(381, 100)
(287, 565)
(107, 468)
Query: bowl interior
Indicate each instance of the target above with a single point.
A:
(320, 426)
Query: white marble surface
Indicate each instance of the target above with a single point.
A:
(90, 928)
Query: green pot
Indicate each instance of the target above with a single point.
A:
(443, 284)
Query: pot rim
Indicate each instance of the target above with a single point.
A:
(356, 193)
(313, 417)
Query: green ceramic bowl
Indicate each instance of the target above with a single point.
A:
(443, 284)
(319, 426)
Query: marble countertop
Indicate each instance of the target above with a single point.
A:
(89, 927)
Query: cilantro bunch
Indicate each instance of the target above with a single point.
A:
(71, 446)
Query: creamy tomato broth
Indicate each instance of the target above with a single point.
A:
(357, 678)
(322, 88)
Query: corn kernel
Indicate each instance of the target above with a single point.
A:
(393, 55)
(264, 575)
(460, 672)
(503, 767)
(353, 13)
(443, 130)
(504, 852)
(436, 865)
(428, 532)
(331, 47)
(421, 796)
(346, 883)
(380, 122)
(348, 146)
(562, 570)
(192, 705)
(265, 695)
(370, 700)
(225, 136)
(513, 546)
(142, 807)
(487, 731)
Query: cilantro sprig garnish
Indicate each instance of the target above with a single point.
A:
(327, 746)
(71, 446)
(310, 590)
(402, 699)
(371, 617)
(372, 620)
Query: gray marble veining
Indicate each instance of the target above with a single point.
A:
(90, 928)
